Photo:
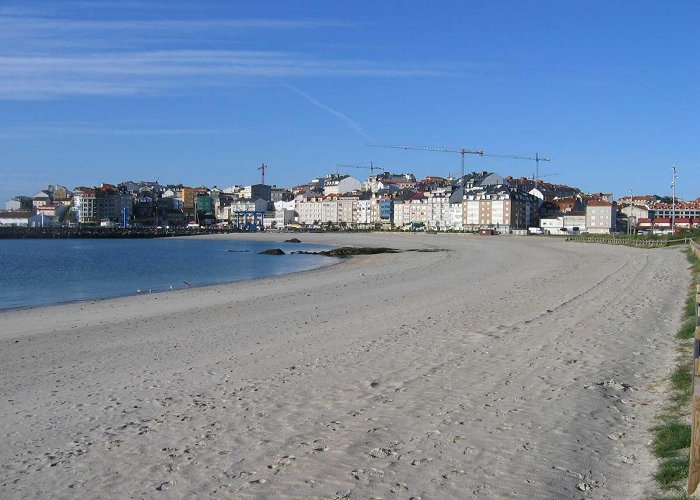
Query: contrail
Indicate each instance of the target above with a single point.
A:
(349, 121)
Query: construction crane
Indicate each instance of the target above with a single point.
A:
(537, 159)
(371, 167)
(263, 169)
(461, 151)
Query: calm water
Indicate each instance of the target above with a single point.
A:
(42, 272)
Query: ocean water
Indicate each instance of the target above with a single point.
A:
(42, 272)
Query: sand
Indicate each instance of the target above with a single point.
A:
(504, 367)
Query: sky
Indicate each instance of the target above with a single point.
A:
(202, 92)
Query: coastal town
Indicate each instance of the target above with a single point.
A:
(479, 201)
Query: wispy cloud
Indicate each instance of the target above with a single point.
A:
(58, 129)
(36, 77)
(344, 118)
(13, 25)
(57, 55)
(198, 62)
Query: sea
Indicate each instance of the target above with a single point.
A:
(39, 272)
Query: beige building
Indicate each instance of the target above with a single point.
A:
(347, 209)
(411, 210)
(497, 207)
(600, 217)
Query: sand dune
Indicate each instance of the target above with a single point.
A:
(503, 367)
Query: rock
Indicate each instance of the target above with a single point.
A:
(583, 487)
(293, 240)
(272, 251)
(347, 251)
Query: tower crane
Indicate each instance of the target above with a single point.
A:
(537, 159)
(262, 168)
(371, 167)
(461, 151)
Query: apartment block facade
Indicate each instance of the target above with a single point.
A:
(93, 205)
(497, 207)
(600, 217)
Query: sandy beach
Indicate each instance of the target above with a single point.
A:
(502, 367)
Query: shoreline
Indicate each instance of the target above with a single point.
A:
(140, 294)
(150, 291)
(129, 300)
(516, 367)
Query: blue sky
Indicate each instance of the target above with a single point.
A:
(202, 92)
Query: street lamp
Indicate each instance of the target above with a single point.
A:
(673, 200)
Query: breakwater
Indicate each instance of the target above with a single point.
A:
(104, 232)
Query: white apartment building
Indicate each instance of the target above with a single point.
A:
(16, 218)
(575, 222)
(42, 198)
(314, 210)
(471, 210)
(13, 204)
(340, 184)
(364, 212)
(285, 205)
(278, 219)
(437, 210)
(456, 222)
(284, 213)
(553, 225)
(637, 212)
(310, 210)
(228, 212)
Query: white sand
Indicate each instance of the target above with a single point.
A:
(510, 366)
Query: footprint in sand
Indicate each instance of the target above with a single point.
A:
(381, 453)
(282, 464)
